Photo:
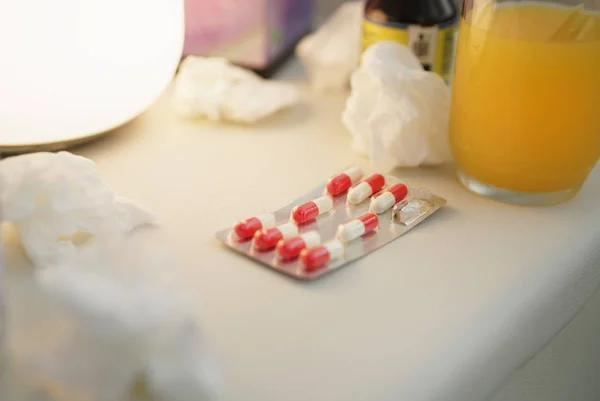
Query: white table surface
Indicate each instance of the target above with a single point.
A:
(444, 313)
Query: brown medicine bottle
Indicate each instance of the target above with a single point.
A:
(428, 27)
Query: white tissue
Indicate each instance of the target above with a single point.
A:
(122, 318)
(58, 200)
(212, 88)
(331, 54)
(398, 113)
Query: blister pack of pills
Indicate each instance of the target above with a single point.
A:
(338, 222)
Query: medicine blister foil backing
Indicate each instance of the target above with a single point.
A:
(419, 205)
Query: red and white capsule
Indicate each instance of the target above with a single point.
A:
(265, 240)
(246, 229)
(358, 227)
(372, 184)
(312, 209)
(317, 257)
(290, 249)
(342, 182)
(389, 198)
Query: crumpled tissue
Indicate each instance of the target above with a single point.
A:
(117, 319)
(213, 88)
(331, 54)
(58, 200)
(105, 313)
(398, 113)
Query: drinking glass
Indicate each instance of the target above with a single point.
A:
(525, 118)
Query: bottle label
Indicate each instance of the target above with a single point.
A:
(433, 45)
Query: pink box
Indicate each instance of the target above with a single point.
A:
(253, 33)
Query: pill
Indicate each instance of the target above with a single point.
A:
(368, 187)
(312, 209)
(291, 248)
(268, 239)
(358, 227)
(343, 181)
(317, 257)
(389, 198)
(247, 228)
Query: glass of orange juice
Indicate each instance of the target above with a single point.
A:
(525, 119)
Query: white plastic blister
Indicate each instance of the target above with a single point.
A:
(323, 241)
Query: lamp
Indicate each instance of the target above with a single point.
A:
(72, 69)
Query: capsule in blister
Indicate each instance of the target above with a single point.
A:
(358, 227)
(317, 257)
(388, 198)
(265, 240)
(342, 182)
(311, 210)
(246, 229)
(371, 185)
(290, 249)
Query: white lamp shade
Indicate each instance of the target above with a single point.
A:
(71, 69)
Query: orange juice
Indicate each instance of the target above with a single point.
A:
(526, 96)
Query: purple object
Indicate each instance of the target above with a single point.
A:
(253, 33)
